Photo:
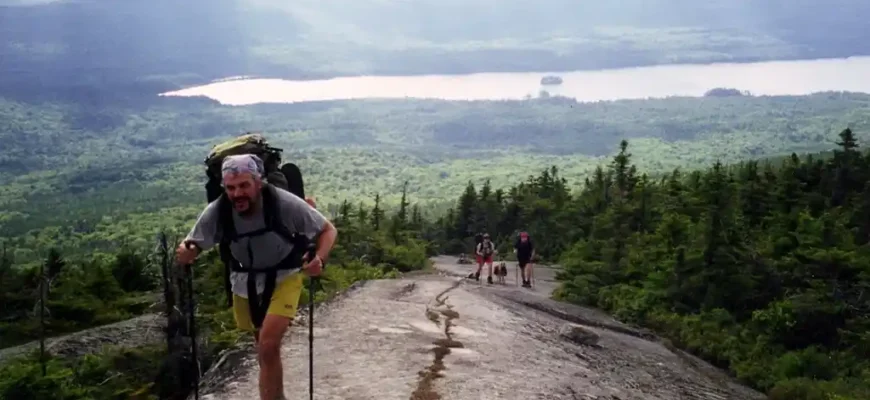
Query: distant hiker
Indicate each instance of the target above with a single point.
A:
(525, 250)
(485, 249)
(478, 239)
(272, 247)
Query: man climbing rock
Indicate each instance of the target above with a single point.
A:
(525, 250)
(485, 251)
(270, 229)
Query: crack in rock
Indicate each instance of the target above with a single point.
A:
(404, 291)
(426, 385)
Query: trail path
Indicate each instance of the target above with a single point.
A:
(444, 337)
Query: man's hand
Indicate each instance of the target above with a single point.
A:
(186, 255)
(314, 267)
(311, 202)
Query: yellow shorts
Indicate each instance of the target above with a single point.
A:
(285, 300)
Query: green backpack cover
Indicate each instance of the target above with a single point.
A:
(248, 143)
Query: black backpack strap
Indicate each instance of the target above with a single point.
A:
(274, 219)
(272, 214)
(225, 219)
(228, 232)
(259, 303)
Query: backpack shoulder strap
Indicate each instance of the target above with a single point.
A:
(227, 226)
(274, 220)
(225, 219)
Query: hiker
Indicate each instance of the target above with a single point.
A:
(525, 251)
(258, 248)
(478, 239)
(485, 251)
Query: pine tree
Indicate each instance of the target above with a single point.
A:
(377, 213)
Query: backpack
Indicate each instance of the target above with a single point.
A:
(519, 242)
(249, 143)
(287, 177)
(486, 249)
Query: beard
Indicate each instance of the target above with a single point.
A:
(244, 205)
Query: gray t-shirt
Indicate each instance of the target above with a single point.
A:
(267, 249)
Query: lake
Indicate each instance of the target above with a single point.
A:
(763, 78)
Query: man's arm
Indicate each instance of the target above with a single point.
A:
(328, 234)
(205, 233)
(306, 220)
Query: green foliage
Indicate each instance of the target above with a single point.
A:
(638, 245)
(758, 268)
(109, 289)
(154, 176)
(761, 268)
(79, 296)
(116, 373)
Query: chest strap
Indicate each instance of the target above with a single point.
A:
(258, 304)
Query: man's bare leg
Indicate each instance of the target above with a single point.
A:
(269, 356)
(527, 272)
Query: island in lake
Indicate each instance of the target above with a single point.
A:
(551, 80)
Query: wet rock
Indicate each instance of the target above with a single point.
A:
(579, 335)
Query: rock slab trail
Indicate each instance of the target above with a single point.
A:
(445, 337)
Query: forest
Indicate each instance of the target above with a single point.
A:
(98, 177)
(114, 287)
(759, 267)
(734, 226)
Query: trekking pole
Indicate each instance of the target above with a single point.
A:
(192, 325)
(532, 274)
(42, 317)
(313, 283)
(312, 286)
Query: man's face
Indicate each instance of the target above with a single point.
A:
(524, 239)
(243, 190)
